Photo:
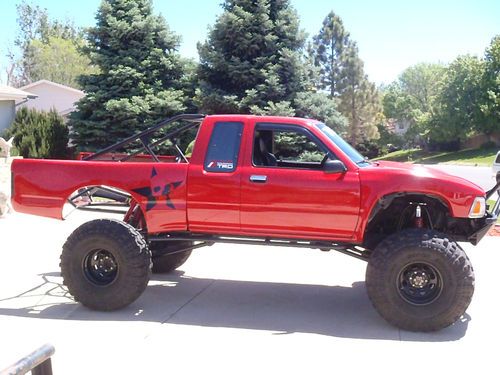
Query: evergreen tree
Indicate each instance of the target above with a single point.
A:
(359, 101)
(252, 58)
(253, 62)
(39, 134)
(329, 52)
(342, 76)
(139, 81)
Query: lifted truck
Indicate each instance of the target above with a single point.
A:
(262, 180)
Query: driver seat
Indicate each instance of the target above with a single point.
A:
(265, 157)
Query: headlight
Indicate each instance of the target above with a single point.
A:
(478, 208)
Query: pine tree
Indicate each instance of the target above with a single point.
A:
(342, 76)
(139, 78)
(359, 101)
(252, 58)
(329, 52)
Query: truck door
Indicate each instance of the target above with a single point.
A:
(214, 177)
(286, 192)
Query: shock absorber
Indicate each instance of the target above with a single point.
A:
(419, 222)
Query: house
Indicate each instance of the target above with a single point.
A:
(401, 126)
(52, 95)
(9, 96)
(398, 127)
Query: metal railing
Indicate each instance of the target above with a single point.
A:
(38, 363)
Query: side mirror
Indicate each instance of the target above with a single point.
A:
(334, 166)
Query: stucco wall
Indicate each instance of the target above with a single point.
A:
(7, 113)
(50, 96)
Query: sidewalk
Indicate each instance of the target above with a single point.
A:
(231, 310)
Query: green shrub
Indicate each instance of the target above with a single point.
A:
(369, 149)
(40, 134)
(488, 145)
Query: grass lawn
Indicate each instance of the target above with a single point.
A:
(480, 157)
(490, 204)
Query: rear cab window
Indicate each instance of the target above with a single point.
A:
(224, 147)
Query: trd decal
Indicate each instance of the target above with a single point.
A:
(221, 164)
(157, 191)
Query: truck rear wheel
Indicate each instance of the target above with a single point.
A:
(419, 280)
(165, 263)
(105, 264)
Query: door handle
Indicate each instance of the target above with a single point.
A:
(258, 178)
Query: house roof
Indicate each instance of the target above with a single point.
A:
(11, 93)
(47, 82)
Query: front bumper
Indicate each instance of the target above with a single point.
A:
(491, 217)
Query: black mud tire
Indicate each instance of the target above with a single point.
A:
(419, 280)
(105, 264)
(170, 262)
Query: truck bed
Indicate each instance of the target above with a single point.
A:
(42, 187)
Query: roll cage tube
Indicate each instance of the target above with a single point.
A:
(144, 138)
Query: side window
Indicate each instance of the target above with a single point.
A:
(286, 148)
(224, 147)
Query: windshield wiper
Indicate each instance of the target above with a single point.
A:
(363, 162)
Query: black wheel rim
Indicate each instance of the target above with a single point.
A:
(100, 267)
(419, 283)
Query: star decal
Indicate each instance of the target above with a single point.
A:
(157, 191)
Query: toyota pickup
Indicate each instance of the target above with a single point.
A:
(275, 181)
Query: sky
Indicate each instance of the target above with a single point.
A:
(391, 34)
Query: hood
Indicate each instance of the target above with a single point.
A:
(424, 174)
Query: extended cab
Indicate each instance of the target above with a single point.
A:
(262, 180)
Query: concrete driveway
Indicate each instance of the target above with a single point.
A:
(231, 310)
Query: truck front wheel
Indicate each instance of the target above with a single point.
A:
(419, 280)
(105, 264)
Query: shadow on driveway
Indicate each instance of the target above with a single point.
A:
(280, 308)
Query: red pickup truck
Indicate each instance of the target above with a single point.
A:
(262, 180)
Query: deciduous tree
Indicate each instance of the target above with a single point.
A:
(59, 60)
(39, 42)
(414, 98)
(459, 99)
(490, 89)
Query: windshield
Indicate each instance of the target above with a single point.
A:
(343, 145)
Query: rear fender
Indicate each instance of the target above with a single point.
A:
(42, 187)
